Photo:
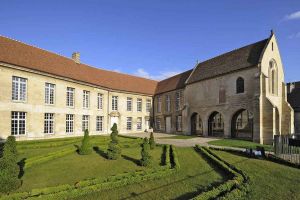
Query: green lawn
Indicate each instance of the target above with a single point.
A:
(239, 144)
(268, 180)
(180, 137)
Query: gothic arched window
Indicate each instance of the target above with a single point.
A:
(240, 85)
(273, 87)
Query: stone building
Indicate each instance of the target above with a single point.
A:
(239, 94)
(294, 100)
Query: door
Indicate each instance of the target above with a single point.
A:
(168, 124)
(147, 125)
(114, 120)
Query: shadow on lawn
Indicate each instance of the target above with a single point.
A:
(21, 164)
(100, 152)
(136, 161)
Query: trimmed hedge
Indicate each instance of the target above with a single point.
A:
(166, 156)
(173, 158)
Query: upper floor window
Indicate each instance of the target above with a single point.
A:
(70, 96)
(129, 104)
(168, 103)
(159, 104)
(19, 88)
(273, 78)
(86, 99)
(139, 106)
(148, 105)
(177, 100)
(49, 93)
(114, 104)
(100, 101)
(240, 85)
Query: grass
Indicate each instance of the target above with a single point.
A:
(268, 180)
(239, 144)
(180, 137)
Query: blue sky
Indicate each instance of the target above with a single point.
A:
(153, 38)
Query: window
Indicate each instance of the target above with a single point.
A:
(159, 104)
(18, 123)
(86, 99)
(114, 103)
(168, 103)
(100, 101)
(70, 96)
(240, 85)
(139, 123)
(129, 123)
(69, 123)
(148, 105)
(19, 87)
(139, 105)
(49, 123)
(99, 123)
(273, 87)
(179, 123)
(177, 100)
(85, 122)
(158, 124)
(129, 104)
(49, 93)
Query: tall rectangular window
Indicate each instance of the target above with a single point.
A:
(139, 123)
(129, 123)
(99, 123)
(129, 104)
(159, 104)
(168, 103)
(70, 96)
(114, 103)
(100, 101)
(177, 100)
(49, 123)
(85, 122)
(19, 88)
(18, 123)
(139, 105)
(179, 123)
(158, 124)
(148, 105)
(69, 123)
(49, 93)
(86, 99)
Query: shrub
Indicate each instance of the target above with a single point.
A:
(151, 141)
(9, 169)
(146, 157)
(173, 158)
(85, 148)
(114, 150)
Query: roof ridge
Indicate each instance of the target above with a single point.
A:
(81, 63)
(175, 75)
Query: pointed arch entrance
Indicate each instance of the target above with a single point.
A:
(242, 125)
(216, 125)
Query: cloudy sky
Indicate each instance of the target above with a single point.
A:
(154, 39)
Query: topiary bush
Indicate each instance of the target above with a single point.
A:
(152, 141)
(9, 169)
(114, 149)
(85, 148)
(145, 153)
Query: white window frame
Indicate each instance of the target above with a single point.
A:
(129, 104)
(49, 123)
(114, 103)
(99, 101)
(70, 123)
(168, 103)
(49, 93)
(70, 97)
(129, 123)
(18, 118)
(85, 122)
(86, 99)
(139, 105)
(19, 89)
(148, 105)
(139, 123)
(99, 123)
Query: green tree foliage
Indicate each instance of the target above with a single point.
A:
(145, 153)
(9, 169)
(114, 150)
(85, 148)
(151, 141)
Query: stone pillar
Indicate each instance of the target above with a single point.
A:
(227, 127)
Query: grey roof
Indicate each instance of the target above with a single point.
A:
(241, 58)
(293, 96)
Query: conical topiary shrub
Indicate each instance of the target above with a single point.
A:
(114, 150)
(152, 141)
(145, 153)
(85, 148)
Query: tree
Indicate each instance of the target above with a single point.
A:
(145, 153)
(85, 148)
(114, 150)
(9, 169)
(152, 141)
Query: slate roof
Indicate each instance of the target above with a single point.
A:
(238, 59)
(294, 96)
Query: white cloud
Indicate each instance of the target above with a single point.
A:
(292, 16)
(160, 76)
(296, 35)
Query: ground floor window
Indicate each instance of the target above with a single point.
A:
(49, 123)
(139, 123)
(129, 123)
(69, 123)
(18, 123)
(179, 123)
(158, 124)
(99, 123)
(85, 122)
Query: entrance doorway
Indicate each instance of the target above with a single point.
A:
(216, 125)
(168, 124)
(114, 120)
(194, 123)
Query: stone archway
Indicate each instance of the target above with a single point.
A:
(194, 123)
(216, 125)
(242, 125)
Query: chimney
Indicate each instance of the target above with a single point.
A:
(76, 57)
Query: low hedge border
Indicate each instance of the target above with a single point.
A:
(234, 188)
(173, 158)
